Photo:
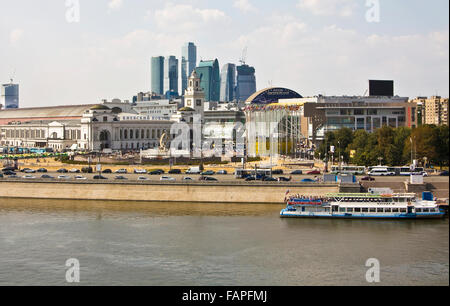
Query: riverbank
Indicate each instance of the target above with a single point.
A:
(226, 192)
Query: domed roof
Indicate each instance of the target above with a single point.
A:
(272, 95)
(186, 109)
(99, 107)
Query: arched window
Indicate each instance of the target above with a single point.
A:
(125, 134)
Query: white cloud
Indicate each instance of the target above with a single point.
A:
(185, 18)
(15, 36)
(343, 8)
(244, 5)
(337, 61)
(115, 5)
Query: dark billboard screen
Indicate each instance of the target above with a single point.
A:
(381, 88)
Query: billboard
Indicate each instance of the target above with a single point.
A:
(381, 88)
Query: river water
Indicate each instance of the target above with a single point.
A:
(118, 243)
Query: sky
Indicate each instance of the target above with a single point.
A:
(65, 52)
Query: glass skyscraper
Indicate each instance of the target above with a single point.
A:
(209, 73)
(188, 63)
(157, 68)
(246, 82)
(170, 75)
(228, 83)
(9, 96)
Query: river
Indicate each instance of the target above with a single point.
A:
(118, 243)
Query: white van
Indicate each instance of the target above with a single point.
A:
(381, 172)
(194, 170)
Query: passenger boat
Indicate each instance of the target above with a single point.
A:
(363, 206)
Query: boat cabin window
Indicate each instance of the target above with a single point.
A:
(357, 209)
(373, 210)
(365, 210)
(418, 210)
(342, 209)
(426, 210)
(395, 210)
(327, 209)
(403, 210)
(388, 210)
(349, 210)
(380, 210)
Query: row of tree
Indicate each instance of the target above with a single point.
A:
(391, 146)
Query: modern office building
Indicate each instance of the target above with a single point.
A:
(209, 74)
(228, 83)
(171, 76)
(9, 98)
(246, 82)
(188, 63)
(293, 122)
(157, 68)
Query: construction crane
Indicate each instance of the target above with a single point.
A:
(244, 56)
(11, 78)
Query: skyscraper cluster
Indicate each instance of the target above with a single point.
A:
(232, 83)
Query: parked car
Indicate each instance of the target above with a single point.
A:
(285, 179)
(190, 179)
(307, 180)
(222, 172)
(444, 173)
(250, 178)
(140, 171)
(42, 170)
(29, 177)
(47, 177)
(209, 172)
(25, 169)
(175, 171)
(64, 177)
(9, 173)
(107, 171)
(30, 171)
(269, 179)
(167, 179)
(143, 178)
(1, 175)
(87, 170)
(100, 177)
(74, 170)
(208, 179)
(122, 171)
(368, 178)
(8, 169)
(80, 178)
(314, 172)
(62, 171)
(297, 172)
(156, 172)
(120, 177)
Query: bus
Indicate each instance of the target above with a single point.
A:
(354, 170)
(407, 171)
(242, 173)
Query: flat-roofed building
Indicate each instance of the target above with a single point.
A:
(91, 127)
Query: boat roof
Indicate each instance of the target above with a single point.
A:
(369, 195)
